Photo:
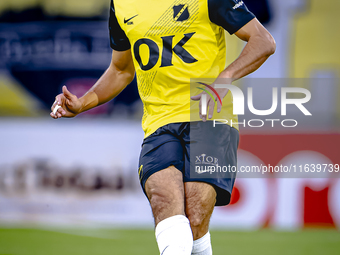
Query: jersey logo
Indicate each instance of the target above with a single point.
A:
(127, 20)
(181, 12)
(167, 51)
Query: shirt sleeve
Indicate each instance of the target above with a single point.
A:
(118, 38)
(229, 14)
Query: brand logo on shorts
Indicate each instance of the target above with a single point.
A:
(205, 164)
(140, 172)
(238, 5)
(206, 160)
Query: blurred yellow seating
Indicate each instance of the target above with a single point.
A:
(315, 42)
(14, 100)
(74, 8)
(316, 38)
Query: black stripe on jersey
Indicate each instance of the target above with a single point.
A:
(229, 14)
(118, 38)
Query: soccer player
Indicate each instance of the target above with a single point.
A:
(168, 42)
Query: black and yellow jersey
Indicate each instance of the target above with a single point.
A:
(173, 41)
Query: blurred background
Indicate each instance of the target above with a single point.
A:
(71, 186)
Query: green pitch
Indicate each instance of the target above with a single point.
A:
(142, 242)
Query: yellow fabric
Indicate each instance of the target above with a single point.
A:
(165, 91)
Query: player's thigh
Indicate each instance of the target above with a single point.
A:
(200, 199)
(165, 191)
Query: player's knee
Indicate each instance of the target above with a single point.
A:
(199, 225)
(159, 200)
(165, 204)
(198, 212)
(196, 220)
(164, 190)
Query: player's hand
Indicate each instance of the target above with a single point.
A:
(67, 104)
(210, 102)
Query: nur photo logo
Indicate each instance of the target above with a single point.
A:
(278, 100)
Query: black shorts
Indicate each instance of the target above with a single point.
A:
(194, 148)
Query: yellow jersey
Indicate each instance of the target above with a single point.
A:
(173, 42)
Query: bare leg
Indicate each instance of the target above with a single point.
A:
(200, 199)
(165, 190)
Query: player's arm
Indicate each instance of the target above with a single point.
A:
(235, 18)
(260, 45)
(118, 75)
